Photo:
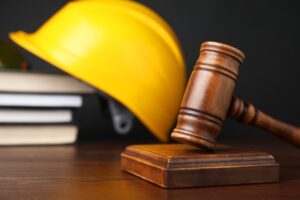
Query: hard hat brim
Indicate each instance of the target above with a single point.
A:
(23, 39)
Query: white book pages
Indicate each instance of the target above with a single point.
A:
(38, 135)
(40, 100)
(32, 82)
(35, 116)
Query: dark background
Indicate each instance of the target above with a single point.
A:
(266, 31)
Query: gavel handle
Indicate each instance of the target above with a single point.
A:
(247, 113)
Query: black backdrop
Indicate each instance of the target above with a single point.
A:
(267, 31)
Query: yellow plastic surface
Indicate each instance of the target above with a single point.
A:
(121, 48)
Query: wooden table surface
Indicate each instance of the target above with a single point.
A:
(92, 171)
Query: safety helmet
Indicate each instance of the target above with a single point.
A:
(120, 47)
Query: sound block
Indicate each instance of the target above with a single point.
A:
(181, 166)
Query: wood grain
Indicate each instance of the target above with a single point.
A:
(208, 100)
(208, 95)
(92, 171)
(247, 113)
(181, 166)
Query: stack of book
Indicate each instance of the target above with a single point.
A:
(37, 108)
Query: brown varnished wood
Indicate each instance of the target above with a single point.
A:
(92, 171)
(179, 166)
(208, 97)
(247, 113)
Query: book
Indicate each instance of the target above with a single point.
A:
(15, 81)
(36, 108)
(37, 134)
(38, 116)
(40, 100)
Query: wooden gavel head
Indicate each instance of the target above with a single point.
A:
(208, 95)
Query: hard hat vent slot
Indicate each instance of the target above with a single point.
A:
(122, 118)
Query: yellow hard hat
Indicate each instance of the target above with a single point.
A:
(120, 47)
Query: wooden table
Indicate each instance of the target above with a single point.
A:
(92, 171)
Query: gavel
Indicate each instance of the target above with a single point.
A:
(209, 99)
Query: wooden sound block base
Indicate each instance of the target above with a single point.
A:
(179, 166)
